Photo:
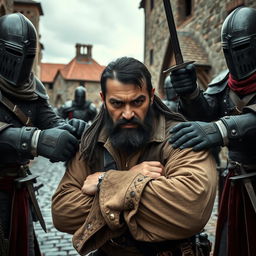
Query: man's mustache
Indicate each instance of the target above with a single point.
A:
(124, 121)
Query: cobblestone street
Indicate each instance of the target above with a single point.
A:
(52, 243)
(55, 243)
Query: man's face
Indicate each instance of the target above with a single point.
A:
(128, 114)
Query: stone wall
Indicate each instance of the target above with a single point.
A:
(204, 22)
(64, 91)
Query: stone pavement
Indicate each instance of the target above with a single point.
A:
(55, 243)
(52, 243)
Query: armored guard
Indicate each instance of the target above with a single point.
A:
(28, 128)
(228, 106)
(172, 97)
(79, 107)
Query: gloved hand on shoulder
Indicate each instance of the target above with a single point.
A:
(196, 135)
(56, 144)
(75, 126)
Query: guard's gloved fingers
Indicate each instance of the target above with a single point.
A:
(179, 126)
(67, 127)
(66, 154)
(79, 125)
(201, 146)
(184, 139)
(184, 80)
(180, 72)
(179, 130)
(56, 144)
(195, 140)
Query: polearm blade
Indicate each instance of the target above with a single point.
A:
(174, 38)
(173, 32)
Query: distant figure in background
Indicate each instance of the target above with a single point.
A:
(172, 97)
(79, 107)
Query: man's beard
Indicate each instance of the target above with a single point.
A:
(129, 140)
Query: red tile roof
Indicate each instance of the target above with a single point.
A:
(85, 69)
(49, 71)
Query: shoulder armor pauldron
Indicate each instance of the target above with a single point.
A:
(218, 84)
(40, 89)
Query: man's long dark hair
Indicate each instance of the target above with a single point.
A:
(127, 71)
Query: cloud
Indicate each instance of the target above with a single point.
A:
(114, 27)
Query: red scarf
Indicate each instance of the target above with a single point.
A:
(243, 87)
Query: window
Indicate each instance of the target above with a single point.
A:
(185, 9)
(151, 4)
(188, 8)
(151, 57)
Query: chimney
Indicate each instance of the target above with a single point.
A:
(83, 51)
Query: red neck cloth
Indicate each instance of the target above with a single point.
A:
(243, 87)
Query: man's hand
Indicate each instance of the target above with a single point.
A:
(199, 135)
(184, 80)
(153, 169)
(90, 184)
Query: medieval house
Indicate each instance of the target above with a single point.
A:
(61, 80)
(198, 25)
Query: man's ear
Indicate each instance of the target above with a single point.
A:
(102, 97)
(152, 95)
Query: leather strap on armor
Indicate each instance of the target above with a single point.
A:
(3, 126)
(16, 110)
(240, 103)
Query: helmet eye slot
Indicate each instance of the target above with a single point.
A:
(30, 56)
(241, 47)
(14, 52)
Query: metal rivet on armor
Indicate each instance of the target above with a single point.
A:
(140, 179)
(112, 216)
(132, 194)
(24, 146)
(233, 132)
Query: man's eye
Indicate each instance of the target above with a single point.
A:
(117, 104)
(137, 102)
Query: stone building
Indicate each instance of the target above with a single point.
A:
(198, 24)
(62, 79)
(32, 10)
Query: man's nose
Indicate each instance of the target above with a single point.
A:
(128, 113)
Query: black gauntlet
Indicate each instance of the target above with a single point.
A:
(18, 139)
(238, 126)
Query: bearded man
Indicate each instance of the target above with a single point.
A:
(127, 191)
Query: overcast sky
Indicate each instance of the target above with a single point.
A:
(115, 28)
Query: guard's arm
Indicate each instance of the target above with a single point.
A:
(236, 127)
(27, 142)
